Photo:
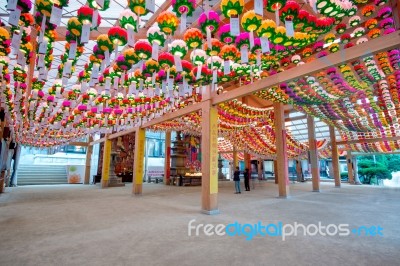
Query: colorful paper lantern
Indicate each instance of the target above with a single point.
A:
(155, 35)
(225, 35)
(128, 19)
(117, 35)
(44, 7)
(371, 23)
(290, 11)
(229, 52)
(143, 49)
(209, 19)
(267, 28)
(275, 5)
(193, 37)
(216, 46)
(138, 7)
(279, 37)
(168, 22)
(358, 32)
(104, 43)
(340, 28)
(198, 57)
(95, 5)
(85, 16)
(74, 26)
(368, 10)
(385, 12)
(354, 21)
(232, 7)
(242, 40)
(166, 60)
(130, 56)
(181, 7)
(179, 48)
(251, 21)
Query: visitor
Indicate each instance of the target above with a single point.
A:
(236, 178)
(246, 179)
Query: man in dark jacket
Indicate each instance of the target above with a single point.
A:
(236, 178)
(246, 179)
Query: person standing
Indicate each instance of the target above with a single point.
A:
(236, 178)
(246, 179)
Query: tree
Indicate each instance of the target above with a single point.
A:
(369, 169)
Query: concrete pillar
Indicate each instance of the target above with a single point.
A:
(335, 157)
(88, 162)
(349, 159)
(106, 164)
(167, 162)
(140, 138)
(209, 158)
(281, 148)
(312, 142)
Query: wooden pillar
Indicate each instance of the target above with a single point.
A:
(276, 171)
(247, 160)
(299, 171)
(349, 159)
(106, 163)
(140, 138)
(235, 159)
(89, 151)
(209, 158)
(312, 142)
(167, 166)
(281, 150)
(335, 157)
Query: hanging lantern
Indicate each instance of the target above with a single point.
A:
(130, 56)
(155, 35)
(138, 7)
(168, 22)
(143, 49)
(267, 28)
(251, 21)
(104, 43)
(128, 19)
(214, 62)
(340, 28)
(216, 46)
(193, 37)
(117, 35)
(242, 40)
(354, 21)
(186, 67)
(44, 7)
(232, 7)
(386, 23)
(289, 12)
(151, 66)
(85, 16)
(385, 12)
(166, 60)
(95, 5)
(122, 63)
(179, 48)
(181, 7)
(209, 19)
(329, 38)
(225, 35)
(279, 37)
(333, 48)
(368, 10)
(371, 23)
(229, 52)
(358, 32)
(198, 57)
(380, 2)
(74, 26)
(275, 5)
(374, 33)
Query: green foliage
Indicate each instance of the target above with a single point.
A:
(344, 175)
(380, 167)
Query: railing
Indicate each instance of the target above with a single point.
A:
(62, 160)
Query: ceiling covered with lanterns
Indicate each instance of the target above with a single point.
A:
(73, 68)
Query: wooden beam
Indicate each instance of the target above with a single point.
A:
(122, 133)
(98, 141)
(380, 44)
(362, 141)
(78, 143)
(301, 117)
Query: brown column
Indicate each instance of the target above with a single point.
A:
(209, 158)
(350, 172)
(247, 160)
(313, 154)
(106, 164)
(335, 157)
(140, 139)
(89, 151)
(281, 148)
(167, 166)
(299, 171)
(276, 171)
(259, 168)
(235, 158)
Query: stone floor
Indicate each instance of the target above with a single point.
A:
(85, 225)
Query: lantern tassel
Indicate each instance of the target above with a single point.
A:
(277, 17)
